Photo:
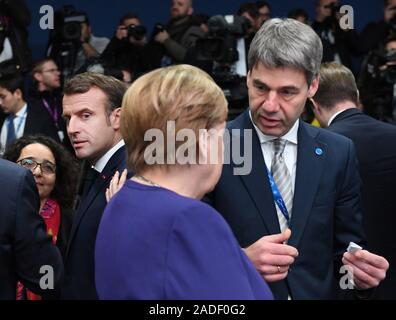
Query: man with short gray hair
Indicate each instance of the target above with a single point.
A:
(299, 208)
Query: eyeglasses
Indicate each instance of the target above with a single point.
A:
(51, 70)
(46, 167)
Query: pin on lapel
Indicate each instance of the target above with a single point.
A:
(319, 151)
(103, 177)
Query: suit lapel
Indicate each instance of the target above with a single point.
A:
(257, 182)
(311, 156)
(99, 185)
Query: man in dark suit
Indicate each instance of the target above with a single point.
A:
(298, 244)
(25, 246)
(91, 108)
(18, 118)
(335, 106)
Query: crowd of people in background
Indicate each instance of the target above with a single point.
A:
(71, 120)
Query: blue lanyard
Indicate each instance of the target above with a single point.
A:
(278, 197)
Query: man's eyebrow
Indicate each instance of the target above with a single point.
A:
(78, 112)
(293, 88)
(257, 82)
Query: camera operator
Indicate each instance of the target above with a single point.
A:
(91, 46)
(180, 33)
(338, 44)
(250, 11)
(221, 53)
(72, 44)
(264, 10)
(15, 54)
(374, 34)
(377, 82)
(127, 49)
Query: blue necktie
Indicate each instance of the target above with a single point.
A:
(10, 130)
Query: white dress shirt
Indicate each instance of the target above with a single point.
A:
(101, 163)
(289, 154)
(19, 125)
(334, 116)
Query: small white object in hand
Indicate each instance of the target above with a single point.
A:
(353, 247)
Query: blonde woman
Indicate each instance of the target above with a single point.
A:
(156, 239)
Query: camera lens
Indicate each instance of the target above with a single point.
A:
(137, 32)
(72, 31)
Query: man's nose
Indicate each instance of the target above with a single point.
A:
(271, 103)
(72, 126)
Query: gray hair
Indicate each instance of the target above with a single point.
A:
(287, 43)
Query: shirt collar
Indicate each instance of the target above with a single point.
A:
(101, 163)
(334, 116)
(290, 136)
(21, 112)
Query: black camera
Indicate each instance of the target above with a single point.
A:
(221, 43)
(68, 24)
(159, 27)
(381, 65)
(335, 8)
(389, 73)
(217, 54)
(136, 32)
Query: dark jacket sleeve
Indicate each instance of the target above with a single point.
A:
(34, 251)
(178, 50)
(17, 11)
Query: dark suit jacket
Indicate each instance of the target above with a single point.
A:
(375, 144)
(79, 280)
(38, 121)
(326, 212)
(24, 244)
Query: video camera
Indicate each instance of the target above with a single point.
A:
(136, 32)
(217, 54)
(158, 27)
(377, 82)
(380, 59)
(334, 17)
(335, 8)
(68, 23)
(65, 38)
(220, 44)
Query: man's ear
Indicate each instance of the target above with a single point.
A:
(38, 76)
(18, 94)
(116, 119)
(313, 87)
(248, 78)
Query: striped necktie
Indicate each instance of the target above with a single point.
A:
(282, 179)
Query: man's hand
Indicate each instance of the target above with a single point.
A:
(162, 36)
(368, 269)
(271, 257)
(121, 32)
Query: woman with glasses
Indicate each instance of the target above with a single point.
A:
(55, 173)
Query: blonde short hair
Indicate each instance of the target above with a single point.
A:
(182, 93)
